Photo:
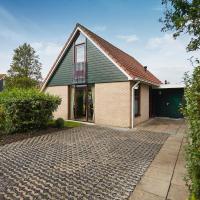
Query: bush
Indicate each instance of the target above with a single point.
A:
(60, 123)
(27, 109)
(192, 114)
(2, 118)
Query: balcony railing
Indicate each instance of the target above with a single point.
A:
(80, 73)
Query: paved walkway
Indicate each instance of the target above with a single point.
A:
(89, 162)
(164, 178)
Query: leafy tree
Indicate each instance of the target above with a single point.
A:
(25, 69)
(183, 17)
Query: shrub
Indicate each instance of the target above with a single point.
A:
(192, 114)
(60, 123)
(2, 118)
(27, 109)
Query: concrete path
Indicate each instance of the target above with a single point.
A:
(164, 178)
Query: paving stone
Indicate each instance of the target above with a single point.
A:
(154, 186)
(177, 192)
(142, 195)
(155, 172)
(178, 179)
(88, 162)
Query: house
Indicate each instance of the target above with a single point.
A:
(100, 83)
(2, 76)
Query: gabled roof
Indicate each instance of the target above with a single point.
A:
(126, 63)
(2, 76)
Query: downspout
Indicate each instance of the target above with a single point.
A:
(132, 102)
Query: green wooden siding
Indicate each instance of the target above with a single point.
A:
(100, 68)
(64, 72)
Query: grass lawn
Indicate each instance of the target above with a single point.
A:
(67, 124)
(72, 124)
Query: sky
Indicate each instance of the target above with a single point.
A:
(131, 25)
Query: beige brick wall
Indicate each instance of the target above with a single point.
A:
(62, 92)
(144, 105)
(112, 104)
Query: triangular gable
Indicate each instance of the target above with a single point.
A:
(67, 45)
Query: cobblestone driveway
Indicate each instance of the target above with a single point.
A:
(89, 162)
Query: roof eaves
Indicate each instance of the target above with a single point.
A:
(147, 82)
(2, 76)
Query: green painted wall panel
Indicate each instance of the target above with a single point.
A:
(64, 72)
(100, 68)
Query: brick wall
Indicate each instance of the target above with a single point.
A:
(112, 104)
(61, 91)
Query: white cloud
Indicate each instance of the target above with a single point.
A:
(128, 38)
(5, 59)
(48, 52)
(167, 57)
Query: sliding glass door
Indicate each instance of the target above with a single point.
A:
(82, 103)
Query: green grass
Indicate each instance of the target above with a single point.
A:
(72, 124)
(69, 124)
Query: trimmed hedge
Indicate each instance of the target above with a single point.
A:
(26, 109)
(192, 114)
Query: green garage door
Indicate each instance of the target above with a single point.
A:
(167, 102)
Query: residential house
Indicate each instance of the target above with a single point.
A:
(100, 83)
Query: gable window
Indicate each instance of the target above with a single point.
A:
(80, 53)
(79, 60)
(137, 101)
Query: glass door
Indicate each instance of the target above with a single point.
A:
(82, 103)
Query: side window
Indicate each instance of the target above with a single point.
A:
(137, 102)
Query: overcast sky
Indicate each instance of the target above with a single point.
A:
(131, 25)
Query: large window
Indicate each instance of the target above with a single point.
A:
(80, 53)
(137, 102)
(80, 60)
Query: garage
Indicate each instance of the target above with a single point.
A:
(167, 100)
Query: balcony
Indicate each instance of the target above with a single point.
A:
(80, 73)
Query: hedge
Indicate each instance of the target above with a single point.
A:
(26, 109)
(192, 114)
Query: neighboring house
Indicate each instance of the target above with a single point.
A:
(2, 76)
(100, 83)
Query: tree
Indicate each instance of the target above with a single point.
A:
(25, 69)
(183, 17)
